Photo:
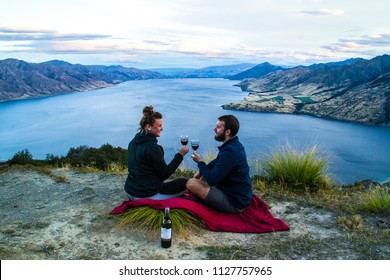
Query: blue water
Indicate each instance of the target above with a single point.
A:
(189, 106)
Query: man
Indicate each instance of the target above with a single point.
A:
(226, 186)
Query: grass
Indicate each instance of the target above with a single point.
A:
(148, 221)
(353, 223)
(276, 98)
(352, 200)
(375, 200)
(297, 169)
(305, 99)
(46, 170)
(270, 247)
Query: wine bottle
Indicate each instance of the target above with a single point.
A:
(166, 230)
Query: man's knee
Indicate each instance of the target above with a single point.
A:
(197, 188)
(190, 184)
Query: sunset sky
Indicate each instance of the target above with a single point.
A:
(193, 33)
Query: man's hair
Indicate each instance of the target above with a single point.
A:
(231, 123)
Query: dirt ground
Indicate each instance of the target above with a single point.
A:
(45, 219)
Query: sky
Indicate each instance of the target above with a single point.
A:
(152, 34)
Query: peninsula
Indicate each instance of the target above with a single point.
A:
(355, 90)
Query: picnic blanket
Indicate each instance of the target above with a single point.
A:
(256, 218)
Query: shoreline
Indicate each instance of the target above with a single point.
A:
(236, 106)
(28, 97)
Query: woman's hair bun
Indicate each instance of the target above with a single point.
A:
(148, 111)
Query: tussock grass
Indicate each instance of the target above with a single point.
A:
(300, 170)
(375, 200)
(210, 155)
(147, 221)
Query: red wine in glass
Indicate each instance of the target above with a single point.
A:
(184, 140)
(195, 144)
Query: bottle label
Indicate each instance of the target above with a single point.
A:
(166, 233)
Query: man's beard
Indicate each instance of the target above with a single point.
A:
(220, 138)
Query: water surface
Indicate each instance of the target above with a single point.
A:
(189, 106)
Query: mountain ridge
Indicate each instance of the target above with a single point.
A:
(356, 91)
(20, 79)
(257, 71)
(223, 71)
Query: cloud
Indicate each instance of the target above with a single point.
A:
(28, 34)
(29, 40)
(22, 30)
(324, 12)
(156, 42)
(53, 42)
(373, 40)
(358, 45)
(349, 47)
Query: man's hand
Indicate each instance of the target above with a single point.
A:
(197, 175)
(196, 157)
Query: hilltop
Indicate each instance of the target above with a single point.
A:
(43, 217)
(20, 79)
(257, 72)
(356, 90)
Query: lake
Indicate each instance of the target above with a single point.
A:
(52, 125)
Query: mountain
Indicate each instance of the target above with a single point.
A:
(208, 72)
(20, 79)
(256, 72)
(338, 63)
(174, 72)
(356, 90)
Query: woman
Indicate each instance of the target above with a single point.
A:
(146, 164)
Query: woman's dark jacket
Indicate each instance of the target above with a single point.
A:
(147, 167)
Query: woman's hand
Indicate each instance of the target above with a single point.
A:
(184, 150)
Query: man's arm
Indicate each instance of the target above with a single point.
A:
(219, 169)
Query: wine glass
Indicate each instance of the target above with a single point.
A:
(195, 144)
(184, 140)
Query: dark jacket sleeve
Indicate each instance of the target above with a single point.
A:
(164, 170)
(218, 169)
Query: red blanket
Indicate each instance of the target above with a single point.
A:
(254, 219)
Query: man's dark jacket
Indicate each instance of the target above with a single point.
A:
(229, 172)
(147, 167)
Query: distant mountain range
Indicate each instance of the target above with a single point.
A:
(19, 79)
(355, 90)
(226, 71)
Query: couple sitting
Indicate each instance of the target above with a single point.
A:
(225, 186)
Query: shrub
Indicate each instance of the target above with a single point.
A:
(22, 157)
(296, 169)
(105, 158)
(54, 160)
